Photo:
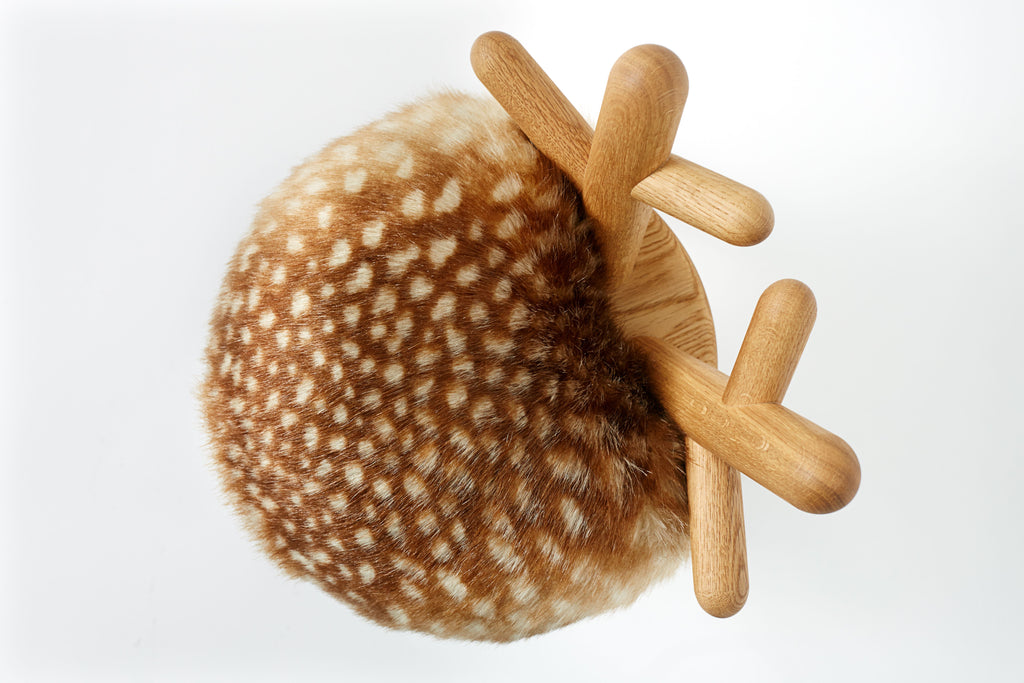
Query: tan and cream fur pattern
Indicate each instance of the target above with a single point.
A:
(415, 394)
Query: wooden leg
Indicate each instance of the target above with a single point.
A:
(717, 536)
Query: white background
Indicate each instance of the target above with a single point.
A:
(137, 140)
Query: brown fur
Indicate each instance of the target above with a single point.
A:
(417, 398)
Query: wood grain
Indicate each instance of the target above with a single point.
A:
(664, 297)
(640, 113)
(708, 201)
(812, 468)
(702, 198)
(533, 101)
(718, 543)
(775, 339)
(772, 347)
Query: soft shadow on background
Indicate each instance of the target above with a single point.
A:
(137, 140)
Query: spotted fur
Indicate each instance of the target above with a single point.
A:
(416, 396)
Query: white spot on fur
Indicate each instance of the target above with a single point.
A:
(412, 205)
(398, 615)
(458, 532)
(247, 255)
(495, 256)
(362, 278)
(441, 551)
(346, 154)
(441, 249)
(420, 287)
(425, 458)
(364, 537)
(456, 396)
(478, 312)
(503, 289)
(354, 180)
(467, 275)
(316, 186)
(340, 253)
(304, 390)
(452, 584)
(519, 316)
(300, 303)
(350, 314)
(410, 567)
(354, 473)
(382, 489)
(385, 302)
(405, 168)
(394, 527)
(572, 516)
(444, 307)
(410, 591)
(427, 357)
(507, 189)
(427, 522)
(549, 548)
(274, 400)
(482, 410)
(456, 340)
(372, 233)
(338, 503)
(483, 608)
(414, 485)
(350, 349)
(450, 197)
(303, 560)
(392, 152)
(498, 345)
(398, 262)
(323, 217)
(394, 373)
(403, 326)
(511, 224)
(522, 590)
(504, 554)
